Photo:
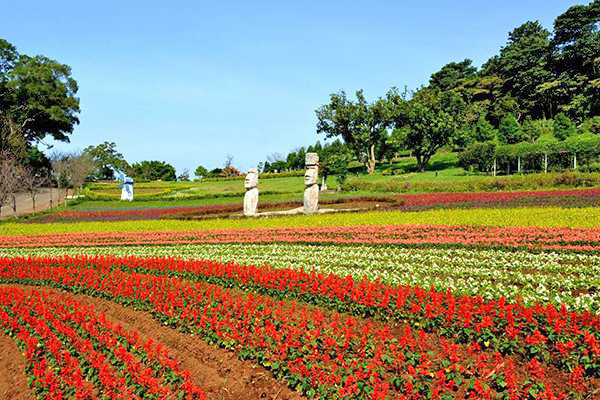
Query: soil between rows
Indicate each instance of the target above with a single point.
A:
(13, 381)
(219, 372)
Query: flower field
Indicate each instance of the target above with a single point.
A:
(556, 277)
(309, 307)
(406, 202)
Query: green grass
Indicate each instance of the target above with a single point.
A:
(548, 216)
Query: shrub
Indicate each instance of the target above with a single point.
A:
(563, 127)
(478, 156)
(510, 131)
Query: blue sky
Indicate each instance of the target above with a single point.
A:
(189, 82)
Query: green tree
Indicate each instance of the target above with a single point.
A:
(201, 171)
(575, 61)
(536, 129)
(509, 130)
(563, 127)
(591, 125)
(359, 123)
(478, 157)
(453, 74)
(37, 162)
(37, 98)
(484, 131)
(522, 65)
(107, 159)
(331, 159)
(427, 121)
(215, 172)
(153, 171)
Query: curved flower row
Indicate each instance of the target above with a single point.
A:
(326, 355)
(557, 277)
(486, 236)
(566, 339)
(72, 351)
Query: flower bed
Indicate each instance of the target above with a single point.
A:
(423, 343)
(72, 351)
(585, 239)
(557, 277)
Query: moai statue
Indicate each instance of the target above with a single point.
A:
(251, 196)
(127, 188)
(311, 180)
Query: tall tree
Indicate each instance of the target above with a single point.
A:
(509, 131)
(522, 65)
(427, 121)
(153, 171)
(362, 125)
(108, 160)
(576, 61)
(37, 98)
(453, 74)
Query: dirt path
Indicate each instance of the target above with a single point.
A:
(25, 205)
(13, 381)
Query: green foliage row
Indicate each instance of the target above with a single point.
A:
(480, 156)
(511, 182)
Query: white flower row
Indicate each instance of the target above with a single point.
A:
(556, 277)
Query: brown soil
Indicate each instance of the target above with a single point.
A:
(13, 381)
(217, 371)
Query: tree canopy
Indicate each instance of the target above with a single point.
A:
(362, 125)
(153, 171)
(37, 99)
(107, 159)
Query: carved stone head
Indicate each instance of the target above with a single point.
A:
(311, 159)
(251, 179)
(311, 176)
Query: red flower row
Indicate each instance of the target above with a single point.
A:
(565, 339)
(581, 239)
(65, 344)
(326, 355)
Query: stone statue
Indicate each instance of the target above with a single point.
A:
(251, 196)
(311, 180)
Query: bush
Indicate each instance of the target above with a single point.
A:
(591, 125)
(510, 131)
(478, 156)
(563, 127)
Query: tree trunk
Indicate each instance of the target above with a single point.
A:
(420, 165)
(574, 161)
(494, 168)
(519, 164)
(33, 201)
(14, 205)
(545, 163)
(50, 197)
(371, 162)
